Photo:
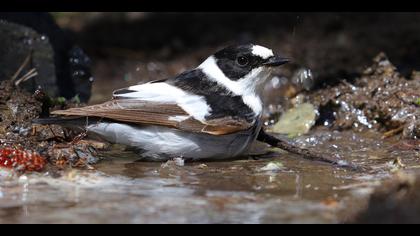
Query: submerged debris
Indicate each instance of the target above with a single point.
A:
(273, 167)
(80, 154)
(406, 145)
(396, 165)
(174, 162)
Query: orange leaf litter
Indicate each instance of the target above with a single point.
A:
(21, 159)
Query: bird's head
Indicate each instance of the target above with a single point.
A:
(242, 68)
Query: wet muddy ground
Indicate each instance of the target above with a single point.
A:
(243, 191)
(369, 120)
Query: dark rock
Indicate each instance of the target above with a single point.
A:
(63, 68)
(18, 42)
(79, 65)
(396, 201)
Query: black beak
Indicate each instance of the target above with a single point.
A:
(276, 61)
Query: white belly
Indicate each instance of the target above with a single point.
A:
(162, 143)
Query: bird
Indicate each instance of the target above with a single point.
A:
(210, 112)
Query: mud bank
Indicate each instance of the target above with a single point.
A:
(381, 100)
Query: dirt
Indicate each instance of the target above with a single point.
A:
(381, 99)
(18, 108)
(60, 147)
(122, 190)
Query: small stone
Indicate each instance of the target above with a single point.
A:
(296, 121)
(179, 161)
(273, 166)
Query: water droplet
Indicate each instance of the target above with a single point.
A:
(78, 73)
(127, 77)
(152, 66)
(74, 60)
(275, 82)
(304, 78)
(28, 41)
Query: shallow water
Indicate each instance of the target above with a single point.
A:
(123, 190)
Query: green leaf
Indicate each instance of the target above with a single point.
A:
(418, 101)
(60, 100)
(76, 99)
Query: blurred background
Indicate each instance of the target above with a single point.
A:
(120, 49)
(133, 47)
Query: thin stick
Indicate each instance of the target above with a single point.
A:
(32, 73)
(305, 153)
(25, 62)
(392, 132)
(28, 73)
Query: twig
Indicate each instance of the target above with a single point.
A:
(392, 132)
(25, 62)
(305, 153)
(78, 138)
(32, 73)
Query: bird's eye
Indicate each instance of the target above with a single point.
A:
(242, 61)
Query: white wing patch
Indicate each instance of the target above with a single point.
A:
(194, 105)
(178, 118)
(261, 51)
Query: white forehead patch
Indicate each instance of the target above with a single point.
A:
(261, 51)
